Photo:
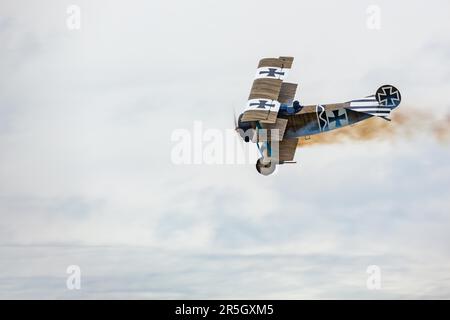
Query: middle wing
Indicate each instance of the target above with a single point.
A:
(263, 102)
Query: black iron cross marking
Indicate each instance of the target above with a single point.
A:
(389, 97)
(337, 118)
(262, 104)
(272, 72)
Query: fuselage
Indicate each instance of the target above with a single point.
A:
(310, 120)
(321, 118)
(296, 121)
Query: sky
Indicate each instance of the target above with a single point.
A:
(87, 176)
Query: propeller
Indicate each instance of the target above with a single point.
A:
(236, 127)
(240, 146)
(235, 120)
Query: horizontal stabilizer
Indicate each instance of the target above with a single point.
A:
(380, 104)
(369, 105)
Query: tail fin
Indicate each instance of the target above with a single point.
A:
(380, 104)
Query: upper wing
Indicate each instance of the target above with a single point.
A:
(264, 99)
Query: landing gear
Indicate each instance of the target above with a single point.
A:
(265, 167)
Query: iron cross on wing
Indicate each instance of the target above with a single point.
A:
(272, 72)
(262, 104)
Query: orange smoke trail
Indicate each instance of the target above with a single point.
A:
(405, 123)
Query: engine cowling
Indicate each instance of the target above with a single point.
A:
(246, 130)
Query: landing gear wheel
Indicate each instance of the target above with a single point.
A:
(265, 168)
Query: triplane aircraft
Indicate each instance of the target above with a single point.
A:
(275, 122)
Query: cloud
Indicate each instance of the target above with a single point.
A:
(143, 272)
(86, 177)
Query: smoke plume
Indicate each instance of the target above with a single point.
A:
(406, 123)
